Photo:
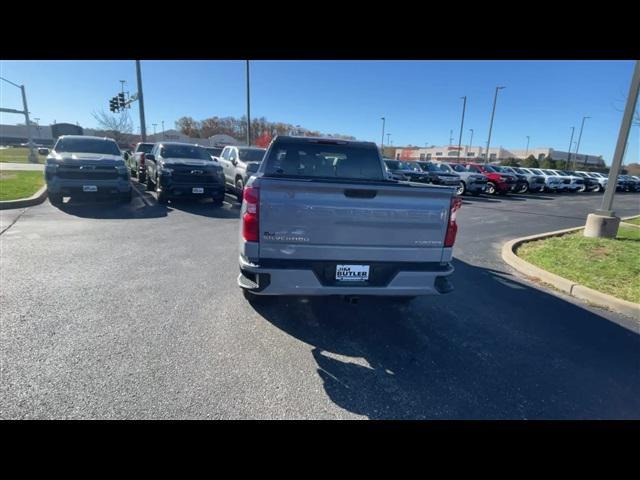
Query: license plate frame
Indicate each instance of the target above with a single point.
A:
(352, 273)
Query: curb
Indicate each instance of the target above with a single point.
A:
(567, 286)
(34, 199)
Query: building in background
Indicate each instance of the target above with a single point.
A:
(450, 153)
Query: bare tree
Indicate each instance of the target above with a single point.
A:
(119, 126)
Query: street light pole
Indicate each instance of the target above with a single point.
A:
(493, 112)
(579, 138)
(143, 125)
(162, 129)
(527, 152)
(470, 141)
(32, 154)
(570, 145)
(604, 223)
(382, 142)
(248, 107)
(464, 107)
(154, 129)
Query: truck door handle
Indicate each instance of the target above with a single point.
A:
(353, 193)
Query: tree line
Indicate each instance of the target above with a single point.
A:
(546, 162)
(261, 128)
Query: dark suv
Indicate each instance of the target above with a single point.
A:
(183, 170)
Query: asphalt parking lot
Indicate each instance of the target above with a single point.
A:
(112, 311)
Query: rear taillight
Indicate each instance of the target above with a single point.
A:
(142, 159)
(250, 218)
(452, 228)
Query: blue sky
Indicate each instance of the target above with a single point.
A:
(420, 99)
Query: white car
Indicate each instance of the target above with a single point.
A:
(601, 179)
(552, 182)
(577, 183)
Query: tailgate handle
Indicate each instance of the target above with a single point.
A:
(353, 193)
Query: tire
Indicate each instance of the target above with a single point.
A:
(491, 188)
(55, 198)
(141, 177)
(126, 198)
(524, 189)
(150, 187)
(239, 189)
(462, 188)
(163, 198)
(599, 188)
(582, 189)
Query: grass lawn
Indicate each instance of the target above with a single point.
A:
(18, 155)
(610, 266)
(635, 221)
(19, 184)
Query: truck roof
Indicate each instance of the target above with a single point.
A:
(331, 140)
(87, 137)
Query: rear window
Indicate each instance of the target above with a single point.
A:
(185, 151)
(87, 145)
(251, 154)
(145, 147)
(324, 160)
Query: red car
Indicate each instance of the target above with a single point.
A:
(498, 182)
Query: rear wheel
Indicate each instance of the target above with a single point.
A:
(239, 189)
(524, 188)
(149, 184)
(491, 188)
(582, 188)
(462, 188)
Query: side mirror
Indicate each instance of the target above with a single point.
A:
(234, 161)
(150, 157)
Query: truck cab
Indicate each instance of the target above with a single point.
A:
(238, 163)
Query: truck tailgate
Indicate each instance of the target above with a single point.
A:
(326, 220)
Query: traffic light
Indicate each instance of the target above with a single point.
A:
(121, 100)
(113, 104)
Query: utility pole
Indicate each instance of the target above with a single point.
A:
(579, 138)
(450, 137)
(143, 127)
(495, 98)
(382, 142)
(162, 129)
(248, 108)
(32, 154)
(570, 145)
(604, 223)
(154, 129)
(527, 152)
(470, 141)
(464, 106)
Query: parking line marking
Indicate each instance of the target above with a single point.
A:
(141, 196)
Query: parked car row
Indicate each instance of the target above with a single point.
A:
(477, 178)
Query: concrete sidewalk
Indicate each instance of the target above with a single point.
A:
(21, 166)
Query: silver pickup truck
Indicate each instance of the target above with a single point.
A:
(321, 217)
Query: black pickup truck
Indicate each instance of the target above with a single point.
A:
(183, 170)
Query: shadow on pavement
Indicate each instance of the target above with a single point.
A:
(494, 348)
(206, 208)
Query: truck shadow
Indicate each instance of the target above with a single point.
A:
(495, 348)
(206, 208)
(109, 209)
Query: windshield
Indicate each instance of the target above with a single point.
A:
(536, 171)
(185, 151)
(145, 147)
(87, 145)
(549, 172)
(392, 164)
(251, 154)
(327, 159)
(215, 151)
(432, 167)
(492, 168)
(457, 167)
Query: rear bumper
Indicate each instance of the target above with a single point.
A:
(406, 280)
